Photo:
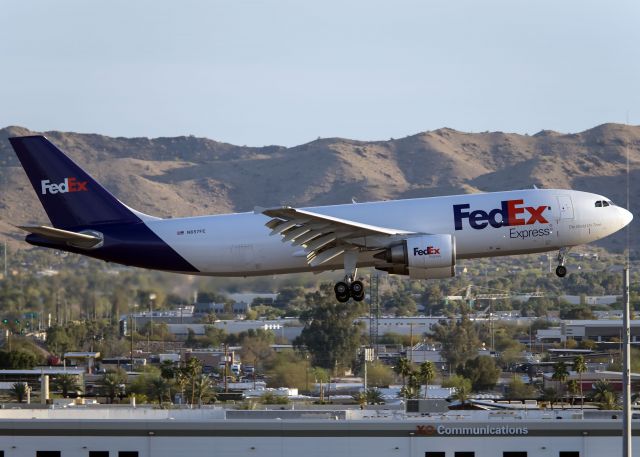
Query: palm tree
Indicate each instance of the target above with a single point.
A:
(167, 369)
(600, 389)
(361, 398)
(609, 401)
(412, 388)
(580, 366)
(201, 389)
(427, 374)
(159, 388)
(403, 368)
(113, 384)
(573, 388)
(560, 373)
(19, 391)
(374, 397)
(66, 383)
(192, 370)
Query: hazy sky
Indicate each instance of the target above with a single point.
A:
(286, 72)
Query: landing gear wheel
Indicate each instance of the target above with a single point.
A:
(357, 287)
(342, 292)
(561, 271)
(357, 290)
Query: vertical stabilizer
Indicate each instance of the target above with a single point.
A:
(69, 195)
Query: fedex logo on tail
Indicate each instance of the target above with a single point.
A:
(511, 212)
(68, 185)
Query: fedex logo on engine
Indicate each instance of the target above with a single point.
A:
(511, 212)
(429, 251)
(68, 185)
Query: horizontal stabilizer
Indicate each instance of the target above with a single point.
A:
(80, 240)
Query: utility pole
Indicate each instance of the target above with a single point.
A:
(626, 369)
(627, 431)
(226, 363)
(131, 333)
(410, 342)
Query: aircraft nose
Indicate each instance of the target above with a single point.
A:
(625, 217)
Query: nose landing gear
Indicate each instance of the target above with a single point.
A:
(561, 270)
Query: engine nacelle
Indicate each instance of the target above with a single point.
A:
(421, 257)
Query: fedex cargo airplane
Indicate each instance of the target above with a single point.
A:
(421, 237)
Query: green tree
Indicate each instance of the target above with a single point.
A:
(482, 371)
(17, 360)
(550, 395)
(329, 332)
(427, 374)
(459, 340)
(580, 366)
(462, 390)
(269, 398)
(379, 374)
(288, 369)
(19, 391)
(518, 390)
(66, 383)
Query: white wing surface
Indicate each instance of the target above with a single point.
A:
(325, 237)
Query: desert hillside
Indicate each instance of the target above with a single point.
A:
(192, 176)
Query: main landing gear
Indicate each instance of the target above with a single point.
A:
(350, 287)
(561, 270)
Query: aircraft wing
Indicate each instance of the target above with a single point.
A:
(57, 235)
(322, 237)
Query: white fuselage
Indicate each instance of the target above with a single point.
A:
(538, 220)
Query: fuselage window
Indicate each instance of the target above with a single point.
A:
(599, 204)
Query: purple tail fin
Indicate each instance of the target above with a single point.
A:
(68, 194)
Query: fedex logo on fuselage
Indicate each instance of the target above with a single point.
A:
(68, 185)
(511, 212)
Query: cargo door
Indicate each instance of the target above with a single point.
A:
(565, 208)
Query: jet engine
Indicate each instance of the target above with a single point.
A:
(421, 257)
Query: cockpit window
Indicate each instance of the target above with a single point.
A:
(611, 203)
(599, 204)
(605, 203)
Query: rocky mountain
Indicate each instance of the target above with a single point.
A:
(192, 176)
